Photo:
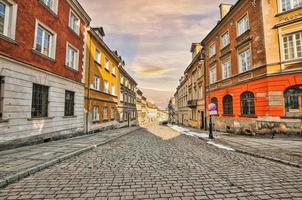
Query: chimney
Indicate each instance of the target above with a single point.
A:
(224, 9)
(195, 49)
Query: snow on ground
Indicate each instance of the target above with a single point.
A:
(188, 132)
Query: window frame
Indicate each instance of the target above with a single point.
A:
(106, 87)
(52, 44)
(113, 70)
(248, 24)
(34, 104)
(54, 9)
(228, 105)
(70, 25)
(113, 89)
(293, 33)
(228, 60)
(105, 111)
(98, 88)
(76, 61)
(99, 59)
(107, 64)
(210, 75)
(222, 39)
(295, 91)
(240, 62)
(69, 111)
(95, 115)
(212, 50)
(280, 6)
(112, 113)
(10, 19)
(249, 107)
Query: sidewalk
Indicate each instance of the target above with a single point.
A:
(18, 163)
(287, 150)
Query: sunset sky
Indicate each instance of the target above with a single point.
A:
(154, 37)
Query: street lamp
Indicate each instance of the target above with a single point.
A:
(211, 106)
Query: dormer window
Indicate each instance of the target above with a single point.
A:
(74, 22)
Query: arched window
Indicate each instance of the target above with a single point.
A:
(228, 105)
(247, 104)
(293, 100)
(214, 100)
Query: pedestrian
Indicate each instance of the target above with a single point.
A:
(273, 134)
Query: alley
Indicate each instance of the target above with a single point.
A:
(158, 163)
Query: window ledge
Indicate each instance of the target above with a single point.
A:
(8, 39)
(107, 70)
(248, 116)
(243, 34)
(70, 68)
(4, 120)
(39, 118)
(50, 10)
(74, 33)
(67, 117)
(43, 56)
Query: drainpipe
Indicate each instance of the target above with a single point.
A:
(88, 93)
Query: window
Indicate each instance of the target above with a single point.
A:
(293, 101)
(8, 17)
(213, 75)
(292, 46)
(69, 103)
(245, 61)
(39, 101)
(51, 4)
(228, 105)
(72, 57)
(1, 96)
(226, 69)
(106, 86)
(97, 56)
(225, 40)
(200, 93)
(114, 70)
(121, 116)
(199, 72)
(45, 42)
(74, 22)
(113, 89)
(95, 115)
(112, 113)
(212, 50)
(122, 96)
(105, 113)
(290, 4)
(247, 104)
(214, 100)
(243, 25)
(107, 64)
(96, 84)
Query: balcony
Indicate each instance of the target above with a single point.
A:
(192, 103)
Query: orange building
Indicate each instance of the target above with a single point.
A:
(254, 67)
(102, 83)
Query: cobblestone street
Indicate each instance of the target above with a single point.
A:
(158, 163)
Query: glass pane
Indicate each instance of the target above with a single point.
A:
(39, 39)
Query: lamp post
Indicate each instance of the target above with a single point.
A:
(211, 107)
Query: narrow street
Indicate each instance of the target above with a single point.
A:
(159, 163)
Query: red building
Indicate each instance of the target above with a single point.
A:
(250, 77)
(42, 44)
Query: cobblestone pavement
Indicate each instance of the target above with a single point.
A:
(152, 164)
(17, 160)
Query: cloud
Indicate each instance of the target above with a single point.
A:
(154, 36)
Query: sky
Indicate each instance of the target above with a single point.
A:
(154, 37)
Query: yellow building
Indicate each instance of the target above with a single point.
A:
(101, 83)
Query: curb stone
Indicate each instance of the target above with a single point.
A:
(20, 175)
(285, 162)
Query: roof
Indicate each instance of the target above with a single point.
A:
(125, 73)
(197, 58)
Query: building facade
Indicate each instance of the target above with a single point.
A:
(195, 74)
(102, 83)
(253, 67)
(139, 105)
(42, 64)
(182, 111)
(127, 100)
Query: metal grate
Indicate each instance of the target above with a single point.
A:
(69, 103)
(39, 101)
